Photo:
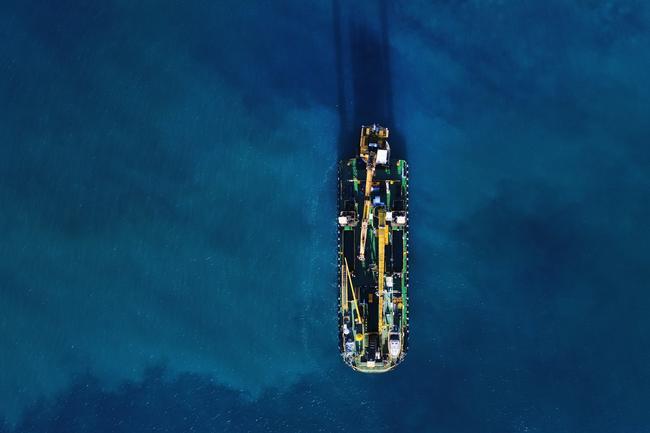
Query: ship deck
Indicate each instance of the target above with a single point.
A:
(389, 193)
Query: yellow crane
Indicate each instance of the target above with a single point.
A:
(370, 171)
(382, 237)
(354, 295)
(370, 158)
(344, 288)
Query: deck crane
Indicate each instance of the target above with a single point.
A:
(370, 171)
(357, 316)
(382, 236)
(373, 153)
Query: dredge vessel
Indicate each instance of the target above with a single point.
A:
(373, 255)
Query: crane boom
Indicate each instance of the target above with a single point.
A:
(370, 171)
(382, 237)
(354, 295)
(344, 288)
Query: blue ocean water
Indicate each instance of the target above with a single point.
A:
(167, 172)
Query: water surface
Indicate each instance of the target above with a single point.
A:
(167, 176)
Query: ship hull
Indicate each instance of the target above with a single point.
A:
(373, 276)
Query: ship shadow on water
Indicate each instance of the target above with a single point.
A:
(363, 69)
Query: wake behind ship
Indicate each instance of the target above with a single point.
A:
(373, 255)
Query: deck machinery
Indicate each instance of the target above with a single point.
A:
(373, 255)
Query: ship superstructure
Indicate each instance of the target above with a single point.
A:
(373, 255)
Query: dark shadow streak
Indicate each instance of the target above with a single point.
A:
(364, 82)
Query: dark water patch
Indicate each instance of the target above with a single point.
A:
(264, 58)
(524, 57)
(540, 239)
(188, 402)
(460, 399)
(547, 276)
(68, 29)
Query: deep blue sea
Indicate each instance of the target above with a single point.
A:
(167, 214)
